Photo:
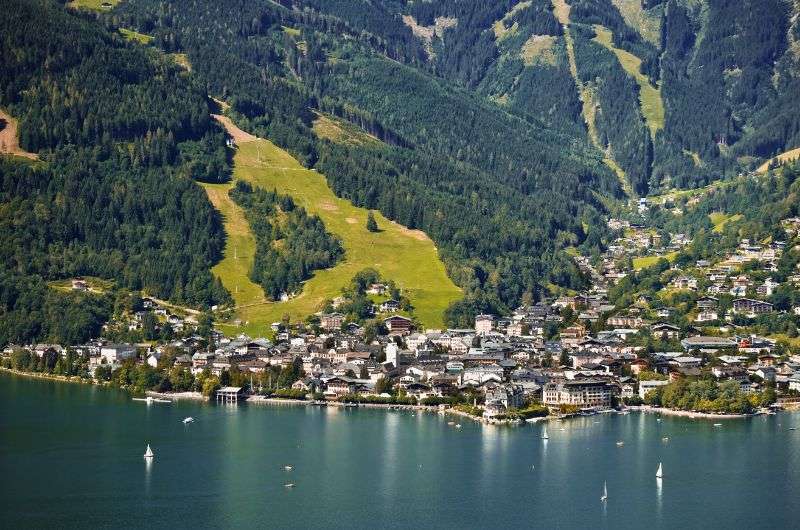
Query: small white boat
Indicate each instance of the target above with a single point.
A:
(289, 485)
(665, 439)
(288, 468)
(659, 471)
(717, 425)
(458, 425)
(620, 443)
(658, 420)
(149, 452)
(451, 423)
(605, 492)
(544, 435)
(188, 420)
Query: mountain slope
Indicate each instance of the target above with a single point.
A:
(113, 126)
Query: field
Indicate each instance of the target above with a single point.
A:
(135, 36)
(719, 220)
(95, 5)
(648, 261)
(340, 131)
(649, 96)
(9, 139)
(793, 154)
(406, 256)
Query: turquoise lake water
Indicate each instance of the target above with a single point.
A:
(71, 457)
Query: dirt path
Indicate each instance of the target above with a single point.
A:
(239, 136)
(9, 138)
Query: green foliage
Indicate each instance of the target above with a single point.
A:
(112, 200)
(290, 244)
(705, 395)
(372, 225)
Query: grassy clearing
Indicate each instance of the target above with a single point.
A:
(94, 5)
(182, 60)
(649, 97)
(720, 219)
(647, 23)
(9, 138)
(501, 30)
(792, 154)
(538, 48)
(340, 131)
(94, 285)
(406, 256)
(648, 261)
(561, 11)
(135, 36)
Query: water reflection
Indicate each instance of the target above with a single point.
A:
(148, 470)
(659, 499)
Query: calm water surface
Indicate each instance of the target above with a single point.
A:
(71, 456)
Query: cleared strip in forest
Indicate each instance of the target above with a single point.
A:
(561, 12)
(650, 101)
(792, 154)
(406, 256)
(9, 137)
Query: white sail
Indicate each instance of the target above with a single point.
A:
(149, 452)
(544, 434)
(605, 492)
(659, 471)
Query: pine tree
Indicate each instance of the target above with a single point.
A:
(372, 225)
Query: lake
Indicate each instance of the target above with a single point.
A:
(71, 456)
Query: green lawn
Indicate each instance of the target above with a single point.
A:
(406, 256)
(649, 96)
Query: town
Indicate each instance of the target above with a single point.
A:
(575, 354)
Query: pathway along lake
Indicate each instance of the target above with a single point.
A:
(71, 456)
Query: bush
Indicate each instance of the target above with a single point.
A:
(393, 400)
(633, 401)
(289, 393)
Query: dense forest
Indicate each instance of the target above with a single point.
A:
(290, 244)
(120, 131)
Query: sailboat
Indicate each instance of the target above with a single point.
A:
(659, 471)
(188, 419)
(149, 452)
(544, 434)
(605, 492)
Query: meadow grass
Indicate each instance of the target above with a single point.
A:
(95, 5)
(649, 96)
(406, 256)
(135, 36)
(792, 154)
(649, 261)
(720, 219)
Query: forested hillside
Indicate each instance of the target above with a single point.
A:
(119, 130)
(727, 71)
(505, 130)
(502, 194)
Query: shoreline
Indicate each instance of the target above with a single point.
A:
(53, 377)
(688, 413)
(256, 399)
